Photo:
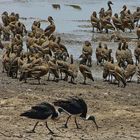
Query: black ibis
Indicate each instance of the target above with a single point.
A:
(75, 106)
(42, 112)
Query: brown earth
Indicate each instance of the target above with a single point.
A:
(117, 110)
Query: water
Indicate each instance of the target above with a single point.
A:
(67, 18)
(64, 16)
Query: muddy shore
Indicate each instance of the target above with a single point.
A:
(116, 109)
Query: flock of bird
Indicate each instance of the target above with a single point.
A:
(122, 21)
(46, 54)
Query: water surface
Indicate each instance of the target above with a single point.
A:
(69, 15)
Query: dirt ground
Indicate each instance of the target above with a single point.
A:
(117, 110)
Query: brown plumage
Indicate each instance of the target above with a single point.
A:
(130, 71)
(72, 70)
(109, 11)
(119, 75)
(95, 21)
(51, 28)
(117, 22)
(137, 53)
(36, 72)
(86, 72)
(53, 69)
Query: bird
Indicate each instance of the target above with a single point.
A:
(51, 28)
(76, 107)
(85, 71)
(109, 11)
(95, 21)
(42, 112)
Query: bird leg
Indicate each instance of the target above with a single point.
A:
(84, 81)
(76, 124)
(66, 126)
(51, 132)
(39, 80)
(49, 76)
(33, 130)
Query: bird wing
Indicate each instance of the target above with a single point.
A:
(36, 114)
(69, 106)
(41, 111)
(83, 105)
(48, 28)
(44, 106)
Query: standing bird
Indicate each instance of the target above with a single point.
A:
(51, 28)
(75, 106)
(42, 112)
(109, 11)
(95, 21)
(85, 71)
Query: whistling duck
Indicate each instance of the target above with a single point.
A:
(95, 21)
(136, 16)
(51, 28)
(117, 22)
(105, 21)
(85, 71)
(109, 11)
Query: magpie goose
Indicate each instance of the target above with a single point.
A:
(75, 106)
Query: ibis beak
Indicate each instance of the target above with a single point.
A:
(96, 125)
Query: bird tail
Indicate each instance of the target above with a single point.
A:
(28, 113)
(25, 114)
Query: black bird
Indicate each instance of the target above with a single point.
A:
(75, 106)
(42, 112)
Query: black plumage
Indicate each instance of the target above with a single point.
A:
(75, 106)
(41, 112)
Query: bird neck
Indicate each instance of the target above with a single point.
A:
(87, 117)
(52, 23)
(109, 6)
(71, 60)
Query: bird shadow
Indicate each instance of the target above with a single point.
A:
(73, 83)
(37, 84)
(84, 83)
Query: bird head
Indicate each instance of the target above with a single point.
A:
(50, 19)
(110, 2)
(92, 118)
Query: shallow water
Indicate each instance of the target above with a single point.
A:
(69, 15)
(64, 15)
